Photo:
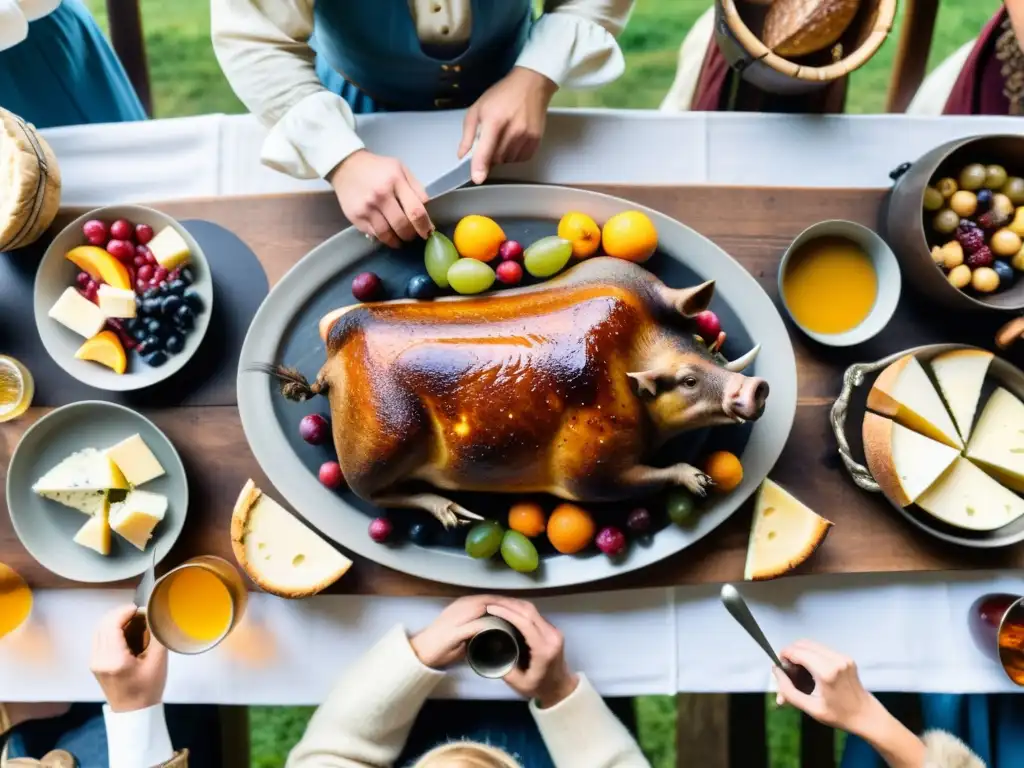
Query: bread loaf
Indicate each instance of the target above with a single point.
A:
(30, 177)
(794, 28)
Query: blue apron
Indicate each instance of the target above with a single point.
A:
(368, 53)
(65, 73)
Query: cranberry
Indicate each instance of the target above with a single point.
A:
(141, 286)
(639, 520)
(509, 272)
(91, 293)
(708, 325)
(982, 257)
(611, 541)
(314, 429)
(330, 474)
(510, 250)
(145, 272)
(143, 233)
(122, 230)
(91, 286)
(366, 286)
(150, 258)
(381, 529)
(82, 279)
(139, 261)
(95, 231)
(121, 250)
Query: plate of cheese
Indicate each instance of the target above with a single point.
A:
(93, 489)
(943, 440)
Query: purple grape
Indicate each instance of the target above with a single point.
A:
(315, 429)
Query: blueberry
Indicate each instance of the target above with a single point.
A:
(151, 306)
(163, 289)
(155, 359)
(177, 287)
(193, 299)
(421, 533)
(152, 293)
(1005, 272)
(139, 333)
(984, 199)
(131, 323)
(420, 287)
(152, 343)
(170, 305)
(154, 327)
(187, 276)
(174, 344)
(185, 318)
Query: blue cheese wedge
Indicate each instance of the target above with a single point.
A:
(136, 462)
(95, 534)
(997, 444)
(966, 497)
(81, 481)
(74, 311)
(135, 518)
(169, 248)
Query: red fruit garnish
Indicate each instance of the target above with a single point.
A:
(330, 474)
(143, 233)
(639, 520)
(611, 541)
(708, 325)
(380, 529)
(150, 258)
(82, 279)
(159, 274)
(91, 293)
(139, 261)
(314, 429)
(510, 250)
(982, 257)
(366, 286)
(509, 272)
(141, 286)
(91, 286)
(121, 250)
(145, 272)
(122, 230)
(95, 231)
(971, 238)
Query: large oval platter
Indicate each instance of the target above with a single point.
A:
(284, 330)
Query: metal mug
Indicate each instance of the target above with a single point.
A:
(997, 626)
(495, 651)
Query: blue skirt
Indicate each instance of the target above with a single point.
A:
(66, 73)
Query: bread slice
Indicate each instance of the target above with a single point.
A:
(903, 463)
(960, 375)
(29, 183)
(280, 553)
(785, 532)
(966, 497)
(904, 392)
(997, 444)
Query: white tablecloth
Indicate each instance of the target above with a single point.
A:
(907, 632)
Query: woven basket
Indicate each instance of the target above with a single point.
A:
(738, 24)
(30, 179)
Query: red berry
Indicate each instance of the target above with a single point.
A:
(510, 250)
(150, 258)
(639, 520)
(141, 286)
(143, 251)
(611, 541)
(143, 233)
(91, 293)
(121, 250)
(95, 231)
(330, 474)
(139, 261)
(91, 286)
(982, 257)
(145, 272)
(122, 230)
(315, 429)
(82, 279)
(708, 325)
(381, 529)
(971, 237)
(159, 274)
(509, 272)
(366, 286)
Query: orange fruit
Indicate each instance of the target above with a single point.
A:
(478, 237)
(582, 231)
(725, 469)
(104, 348)
(527, 518)
(570, 529)
(630, 235)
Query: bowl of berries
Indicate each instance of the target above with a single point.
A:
(123, 297)
(955, 220)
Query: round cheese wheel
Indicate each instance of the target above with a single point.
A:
(30, 177)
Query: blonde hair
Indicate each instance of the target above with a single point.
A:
(466, 754)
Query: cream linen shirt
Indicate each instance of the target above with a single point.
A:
(15, 16)
(262, 46)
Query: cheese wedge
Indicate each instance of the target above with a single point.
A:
(997, 444)
(960, 375)
(903, 463)
(966, 497)
(136, 462)
(81, 481)
(169, 248)
(784, 534)
(116, 302)
(281, 554)
(95, 534)
(74, 311)
(135, 518)
(904, 392)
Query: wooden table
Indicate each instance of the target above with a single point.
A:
(754, 225)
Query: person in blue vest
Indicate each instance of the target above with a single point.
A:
(57, 68)
(304, 67)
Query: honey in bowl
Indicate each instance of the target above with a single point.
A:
(199, 604)
(15, 600)
(829, 285)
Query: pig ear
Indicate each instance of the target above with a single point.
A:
(646, 382)
(690, 301)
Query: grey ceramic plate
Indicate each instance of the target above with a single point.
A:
(284, 330)
(47, 528)
(56, 273)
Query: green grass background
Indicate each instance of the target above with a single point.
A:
(187, 81)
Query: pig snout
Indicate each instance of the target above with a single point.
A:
(746, 398)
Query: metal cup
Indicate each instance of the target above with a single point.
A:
(493, 652)
(997, 627)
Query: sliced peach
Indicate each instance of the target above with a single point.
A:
(101, 266)
(104, 348)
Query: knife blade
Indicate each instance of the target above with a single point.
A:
(136, 630)
(449, 181)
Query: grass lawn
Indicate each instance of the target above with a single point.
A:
(187, 81)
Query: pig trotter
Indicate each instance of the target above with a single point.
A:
(293, 385)
(691, 478)
(445, 510)
(652, 479)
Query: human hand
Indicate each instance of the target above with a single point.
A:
(381, 197)
(511, 115)
(547, 679)
(444, 642)
(128, 682)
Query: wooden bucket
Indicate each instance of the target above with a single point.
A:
(738, 24)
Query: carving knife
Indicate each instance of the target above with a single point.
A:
(449, 181)
(136, 631)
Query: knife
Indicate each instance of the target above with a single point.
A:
(136, 631)
(449, 181)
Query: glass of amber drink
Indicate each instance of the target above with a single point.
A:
(15, 600)
(997, 626)
(196, 605)
(16, 388)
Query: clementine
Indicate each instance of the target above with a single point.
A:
(582, 231)
(527, 518)
(630, 235)
(725, 469)
(570, 529)
(478, 237)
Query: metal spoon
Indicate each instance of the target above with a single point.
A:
(737, 607)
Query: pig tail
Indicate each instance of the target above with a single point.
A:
(293, 385)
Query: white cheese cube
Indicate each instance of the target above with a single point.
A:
(136, 462)
(135, 518)
(116, 302)
(76, 312)
(95, 534)
(81, 481)
(169, 248)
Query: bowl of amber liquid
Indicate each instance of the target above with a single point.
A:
(16, 388)
(839, 282)
(997, 626)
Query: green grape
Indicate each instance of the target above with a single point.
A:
(438, 258)
(546, 256)
(519, 553)
(470, 276)
(681, 507)
(484, 539)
